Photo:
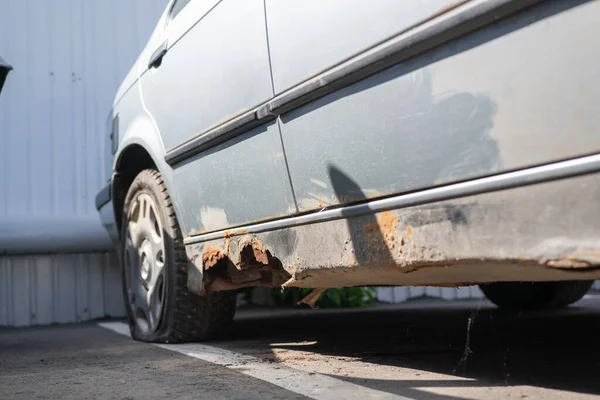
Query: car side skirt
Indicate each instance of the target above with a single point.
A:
(537, 224)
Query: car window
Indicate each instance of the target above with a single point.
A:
(178, 6)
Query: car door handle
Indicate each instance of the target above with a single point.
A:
(157, 56)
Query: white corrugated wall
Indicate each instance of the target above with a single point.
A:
(69, 57)
(62, 288)
(400, 294)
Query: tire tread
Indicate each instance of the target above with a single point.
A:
(192, 317)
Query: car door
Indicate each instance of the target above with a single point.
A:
(212, 66)
(337, 152)
(498, 97)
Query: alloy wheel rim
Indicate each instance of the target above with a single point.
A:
(145, 263)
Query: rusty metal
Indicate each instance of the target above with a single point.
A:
(312, 298)
(211, 257)
(521, 234)
(252, 265)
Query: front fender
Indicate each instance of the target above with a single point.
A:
(142, 132)
(139, 131)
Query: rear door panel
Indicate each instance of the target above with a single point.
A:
(309, 36)
(518, 93)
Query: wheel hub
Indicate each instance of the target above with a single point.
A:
(145, 263)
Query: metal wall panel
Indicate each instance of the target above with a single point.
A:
(63, 288)
(69, 58)
(399, 294)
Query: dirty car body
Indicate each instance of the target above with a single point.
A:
(436, 142)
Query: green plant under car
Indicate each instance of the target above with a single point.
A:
(353, 297)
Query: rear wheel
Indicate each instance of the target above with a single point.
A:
(154, 265)
(535, 295)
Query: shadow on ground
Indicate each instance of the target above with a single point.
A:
(551, 349)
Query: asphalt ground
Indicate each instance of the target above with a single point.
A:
(423, 349)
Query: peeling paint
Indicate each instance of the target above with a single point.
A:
(386, 223)
(247, 262)
(252, 249)
(213, 219)
(211, 257)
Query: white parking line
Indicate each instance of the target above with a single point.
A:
(316, 386)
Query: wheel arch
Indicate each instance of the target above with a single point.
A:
(132, 160)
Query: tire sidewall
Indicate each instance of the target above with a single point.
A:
(518, 296)
(147, 182)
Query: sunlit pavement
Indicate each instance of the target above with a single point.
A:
(424, 349)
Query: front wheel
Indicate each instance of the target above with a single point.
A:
(154, 265)
(535, 295)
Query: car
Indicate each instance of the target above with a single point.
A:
(352, 143)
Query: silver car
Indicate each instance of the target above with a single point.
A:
(338, 143)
